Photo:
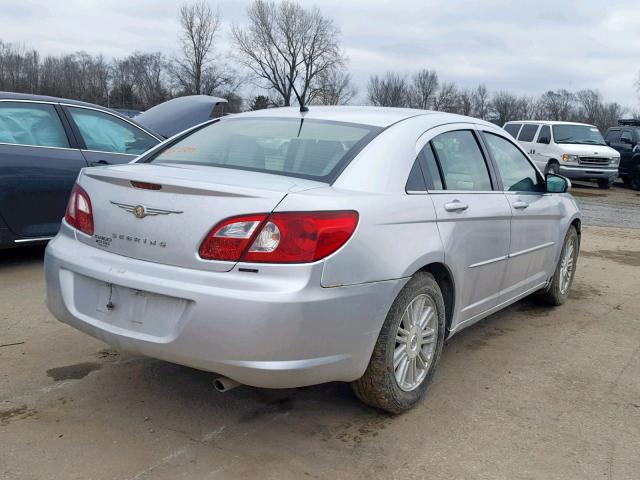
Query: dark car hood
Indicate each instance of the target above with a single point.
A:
(180, 113)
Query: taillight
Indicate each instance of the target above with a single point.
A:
(79, 213)
(283, 237)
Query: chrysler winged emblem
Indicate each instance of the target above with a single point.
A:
(141, 211)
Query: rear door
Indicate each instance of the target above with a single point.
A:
(625, 146)
(535, 223)
(106, 138)
(38, 167)
(473, 218)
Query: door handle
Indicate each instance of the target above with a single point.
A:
(519, 204)
(98, 163)
(455, 206)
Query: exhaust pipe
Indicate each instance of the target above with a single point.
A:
(224, 384)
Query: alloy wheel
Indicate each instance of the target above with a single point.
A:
(415, 343)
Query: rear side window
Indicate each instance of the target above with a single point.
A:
(313, 149)
(626, 135)
(108, 133)
(35, 124)
(528, 132)
(415, 183)
(461, 161)
(512, 129)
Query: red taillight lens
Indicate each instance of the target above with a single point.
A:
(79, 213)
(230, 238)
(283, 237)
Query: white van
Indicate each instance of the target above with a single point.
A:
(575, 150)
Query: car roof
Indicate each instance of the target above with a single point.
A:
(549, 122)
(364, 115)
(67, 101)
(46, 98)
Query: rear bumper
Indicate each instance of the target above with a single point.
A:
(587, 173)
(277, 328)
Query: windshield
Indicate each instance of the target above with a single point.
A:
(313, 149)
(580, 134)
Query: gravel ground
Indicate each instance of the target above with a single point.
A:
(528, 393)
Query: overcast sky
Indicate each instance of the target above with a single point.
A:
(522, 46)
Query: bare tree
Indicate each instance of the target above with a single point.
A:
(447, 98)
(504, 107)
(391, 90)
(465, 102)
(423, 89)
(334, 87)
(557, 105)
(480, 98)
(286, 45)
(590, 103)
(195, 72)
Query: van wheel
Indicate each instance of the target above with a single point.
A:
(407, 350)
(558, 291)
(606, 184)
(552, 167)
(634, 181)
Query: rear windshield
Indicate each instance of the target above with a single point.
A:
(313, 149)
(580, 134)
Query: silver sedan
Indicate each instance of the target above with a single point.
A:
(282, 249)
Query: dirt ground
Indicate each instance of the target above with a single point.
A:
(528, 393)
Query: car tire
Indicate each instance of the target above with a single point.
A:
(396, 346)
(552, 167)
(558, 291)
(606, 184)
(634, 180)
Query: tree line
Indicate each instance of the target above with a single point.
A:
(288, 52)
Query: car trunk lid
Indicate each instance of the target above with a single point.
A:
(167, 225)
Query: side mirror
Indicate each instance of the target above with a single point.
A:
(626, 140)
(557, 183)
(544, 140)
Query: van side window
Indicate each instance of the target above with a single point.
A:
(545, 134)
(528, 132)
(416, 183)
(513, 129)
(461, 161)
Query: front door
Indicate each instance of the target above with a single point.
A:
(38, 168)
(473, 218)
(535, 225)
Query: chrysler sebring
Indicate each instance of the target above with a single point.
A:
(282, 248)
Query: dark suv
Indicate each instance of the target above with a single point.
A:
(625, 138)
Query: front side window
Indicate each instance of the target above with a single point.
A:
(314, 149)
(544, 136)
(517, 173)
(461, 161)
(626, 136)
(35, 124)
(528, 132)
(513, 129)
(108, 133)
(613, 136)
(578, 134)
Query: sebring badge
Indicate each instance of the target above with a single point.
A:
(140, 211)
